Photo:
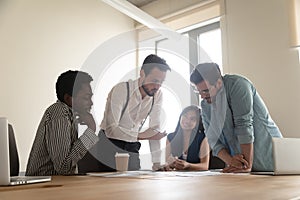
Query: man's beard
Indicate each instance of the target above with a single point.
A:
(149, 93)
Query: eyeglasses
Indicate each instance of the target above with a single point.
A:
(203, 92)
(206, 91)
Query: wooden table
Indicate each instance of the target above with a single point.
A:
(227, 186)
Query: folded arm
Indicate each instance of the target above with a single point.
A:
(63, 151)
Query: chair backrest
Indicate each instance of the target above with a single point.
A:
(13, 152)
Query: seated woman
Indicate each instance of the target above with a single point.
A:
(187, 148)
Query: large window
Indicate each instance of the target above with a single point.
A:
(199, 45)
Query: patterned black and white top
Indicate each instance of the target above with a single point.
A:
(57, 148)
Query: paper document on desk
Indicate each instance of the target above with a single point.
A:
(157, 174)
(134, 174)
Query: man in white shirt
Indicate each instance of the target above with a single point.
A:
(128, 106)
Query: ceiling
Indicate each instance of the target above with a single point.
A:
(140, 3)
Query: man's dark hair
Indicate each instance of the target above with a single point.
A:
(205, 71)
(70, 82)
(152, 61)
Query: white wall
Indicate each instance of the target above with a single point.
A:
(258, 39)
(39, 40)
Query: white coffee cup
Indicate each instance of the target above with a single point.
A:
(122, 161)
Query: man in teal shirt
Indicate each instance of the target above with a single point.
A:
(237, 123)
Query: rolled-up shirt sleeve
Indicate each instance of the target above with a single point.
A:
(242, 93)
(213, 136)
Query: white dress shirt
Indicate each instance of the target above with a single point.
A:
(127, 127)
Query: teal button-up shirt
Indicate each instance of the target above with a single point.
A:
(239, 116)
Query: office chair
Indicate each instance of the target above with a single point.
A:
(215, 162)
(13, 152)
(91, 162)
